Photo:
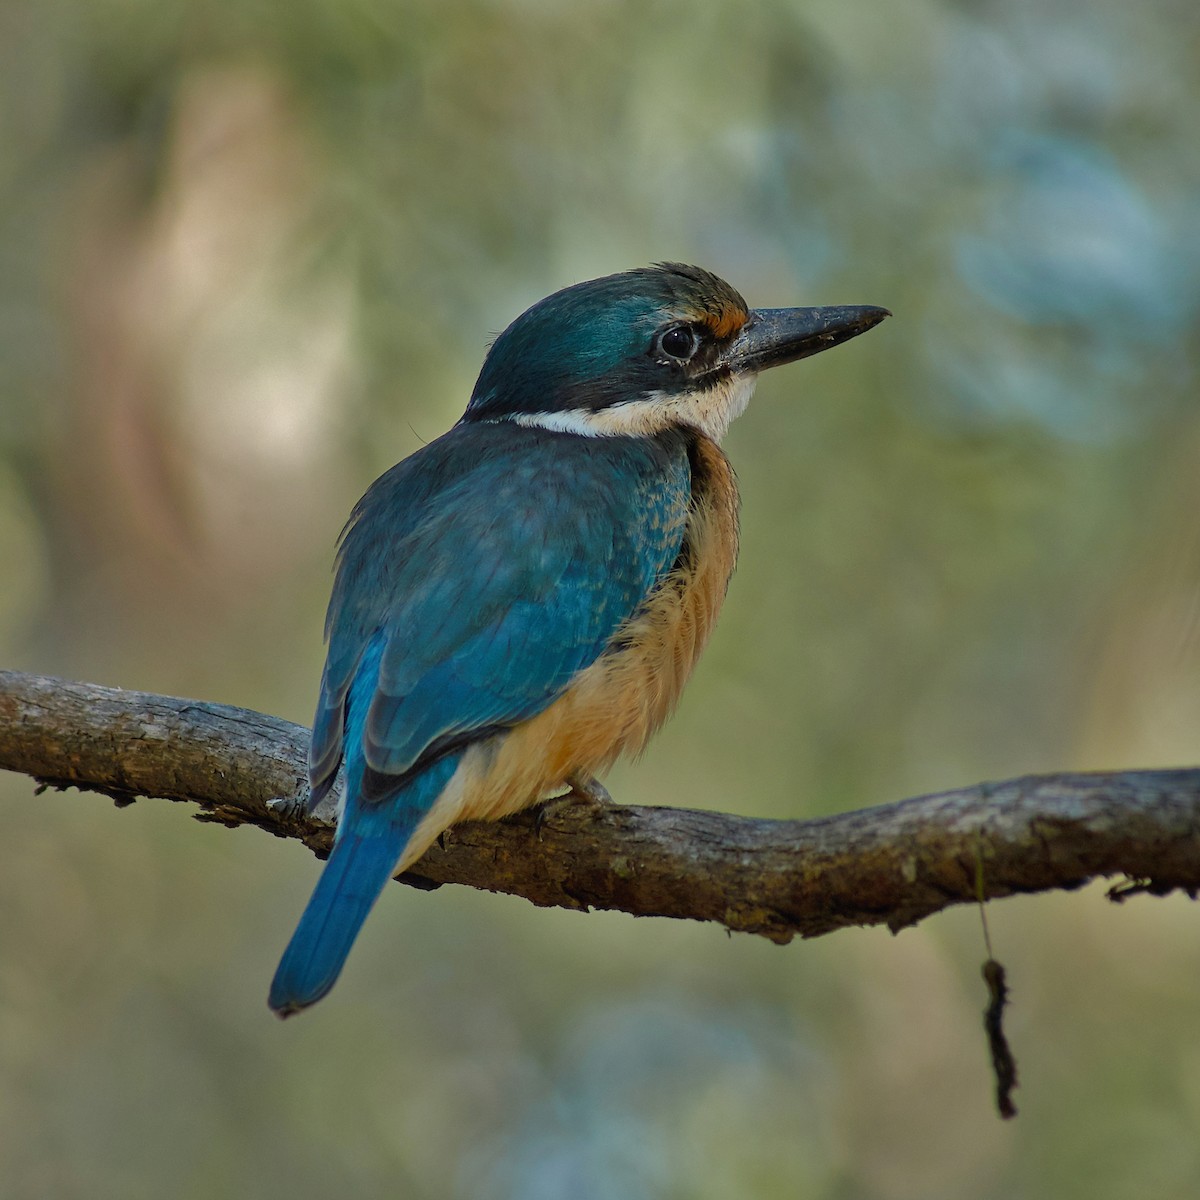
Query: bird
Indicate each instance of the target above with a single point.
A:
(522, 600)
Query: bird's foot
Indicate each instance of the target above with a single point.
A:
(586, 792)
(291, 808)
(585, 786)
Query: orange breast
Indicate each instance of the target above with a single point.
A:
(616, 704)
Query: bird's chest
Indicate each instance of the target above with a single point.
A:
(653, 656)
(616, 704)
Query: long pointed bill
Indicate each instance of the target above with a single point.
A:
(774, 336)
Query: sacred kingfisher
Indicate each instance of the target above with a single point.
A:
(522, 600)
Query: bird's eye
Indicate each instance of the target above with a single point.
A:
(679, 342)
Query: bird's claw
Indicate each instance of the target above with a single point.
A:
(291, 808)
(586, 791)
(585, 786)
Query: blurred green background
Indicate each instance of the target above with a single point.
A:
(251, 254)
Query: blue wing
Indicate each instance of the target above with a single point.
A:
(494, 565)
(475, 580)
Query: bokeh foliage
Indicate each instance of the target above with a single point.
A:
(251, 254)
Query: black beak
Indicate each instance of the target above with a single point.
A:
(774, 336)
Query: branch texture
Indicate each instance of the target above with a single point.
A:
(891, 865)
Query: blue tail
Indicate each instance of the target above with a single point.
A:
(358, 868)
(371, 836)
(370, 839)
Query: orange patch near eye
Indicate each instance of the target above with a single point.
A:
(726, 321)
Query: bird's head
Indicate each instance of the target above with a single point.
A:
(646, 350)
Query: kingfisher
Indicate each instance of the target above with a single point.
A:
(522, 600)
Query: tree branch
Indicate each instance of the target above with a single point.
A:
(891, 865)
